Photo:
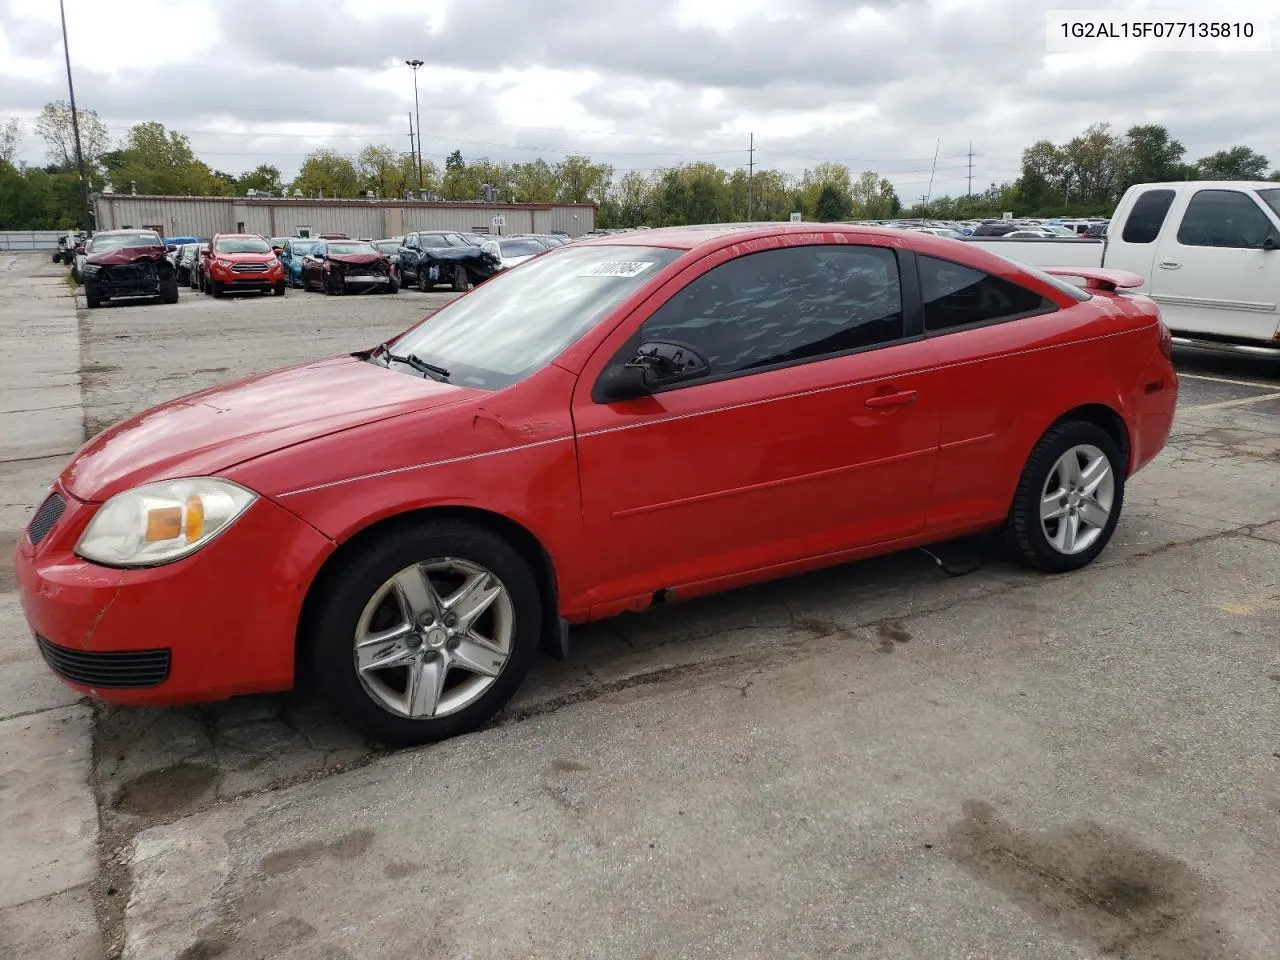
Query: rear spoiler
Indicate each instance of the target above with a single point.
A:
(1098, 278)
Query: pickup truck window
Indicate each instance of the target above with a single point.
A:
(1147, 216)
(1272, 199)
(958, 296)
(1223, 218)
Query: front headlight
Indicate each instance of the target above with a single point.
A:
(161, 522)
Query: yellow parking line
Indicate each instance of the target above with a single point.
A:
(1223, 404)
(1237, 383)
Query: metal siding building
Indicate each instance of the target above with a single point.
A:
(205, 216)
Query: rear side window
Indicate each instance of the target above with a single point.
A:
(1223, 218)
(959, 296)
(1147, 216)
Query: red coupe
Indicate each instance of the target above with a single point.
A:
(625, 421)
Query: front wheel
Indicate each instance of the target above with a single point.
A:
(92, 298)
(461, 278)
(426, 632)
(424, 284)
(1068, 500)
(278, 289)
(215, 288)
(169, 291)
(393, 285)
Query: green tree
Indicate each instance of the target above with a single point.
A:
(832, 204)
(454, 162)
(262, 177)
(161, 161)
(53, 125)
(1237, 163)
(533, 182)
(328, 173)
(1044, 174)
(10, 137)
(578, 180)
(1153, 156)
(387, 171)
(873, 197)
(1096, 161)
(822, 175)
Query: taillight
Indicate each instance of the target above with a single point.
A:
(1166, 341)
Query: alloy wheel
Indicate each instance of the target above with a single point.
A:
(434, 637)
(1076, 502)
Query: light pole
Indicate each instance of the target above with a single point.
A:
(415, 64)
(75, 125)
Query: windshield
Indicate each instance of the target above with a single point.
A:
(243, 245)
(354, 247)
(388, 246)
(520, 248)
(301, 247)
(118, 241)
(517, 322)
(435, 241)
(1272, 199)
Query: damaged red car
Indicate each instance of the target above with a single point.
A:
(127, 265)
(336, 267)
(623, 422)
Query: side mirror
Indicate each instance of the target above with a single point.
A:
(277, 250)
(657, 364)
(1271, 241)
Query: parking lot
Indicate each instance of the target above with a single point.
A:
(879, 760)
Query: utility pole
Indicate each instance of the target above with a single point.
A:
(415, 64)
(970, 193)
(75, 124)
(751, 167)
(413, 154)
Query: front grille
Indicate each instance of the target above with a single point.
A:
(45, 517)
(127, 273)
(136, 668)
(250, 267)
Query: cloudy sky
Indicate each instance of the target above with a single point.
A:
(641, 85)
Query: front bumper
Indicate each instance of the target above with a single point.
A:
(215, 624)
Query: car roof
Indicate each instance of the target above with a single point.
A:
(712, 235)
(132, 231)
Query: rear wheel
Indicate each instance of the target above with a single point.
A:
(426, 632)
(1068, 500)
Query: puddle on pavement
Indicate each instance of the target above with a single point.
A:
(1093, 885)
(161, 793)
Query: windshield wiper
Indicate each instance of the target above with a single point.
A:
(422, 366)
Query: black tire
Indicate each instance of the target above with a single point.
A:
(423, 284)
(329, 628)
(278, 289)
(57, 257)
(215, 288)
(333, 285)
(169, 291)
(92, 298)
(461, 278)
(1023, 533)
(393, 285)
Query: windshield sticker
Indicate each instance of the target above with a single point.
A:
(617, 268)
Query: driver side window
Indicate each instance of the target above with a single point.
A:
(787, 305)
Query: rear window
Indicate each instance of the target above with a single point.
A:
(1147, 216)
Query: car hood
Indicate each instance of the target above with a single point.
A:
(455, 253)
(210, 431)
(245, 257)
(111, 258)
(357, 259)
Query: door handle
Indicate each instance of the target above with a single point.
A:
(901, 398)
(1169, 264)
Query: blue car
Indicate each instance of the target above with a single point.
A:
(295, 248)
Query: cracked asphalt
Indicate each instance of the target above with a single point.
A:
(880, 760)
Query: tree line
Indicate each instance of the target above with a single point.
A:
(1084, 176)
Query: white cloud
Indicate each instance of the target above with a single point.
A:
(879, 85)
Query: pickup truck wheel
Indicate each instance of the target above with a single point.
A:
(461, 278)
(1068, 500)
(425, 632)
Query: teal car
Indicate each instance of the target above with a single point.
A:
(295, 248)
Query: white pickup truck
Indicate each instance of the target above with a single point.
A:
(1209, 251)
